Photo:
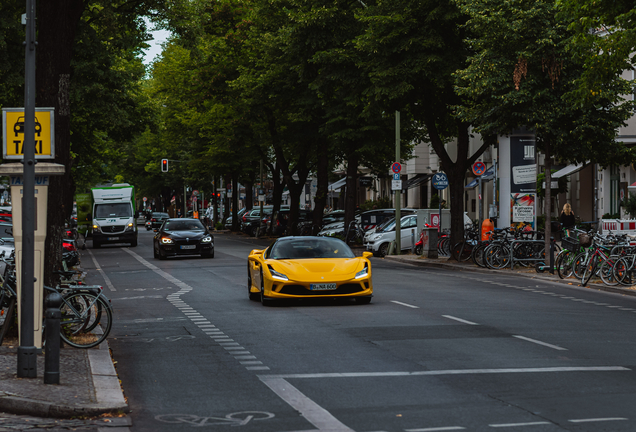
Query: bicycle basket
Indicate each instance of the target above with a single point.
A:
(570, 243)
(585, 240)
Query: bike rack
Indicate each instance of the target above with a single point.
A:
(513, 259)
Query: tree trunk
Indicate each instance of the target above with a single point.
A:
(277, 192)
(351, 192)
(57, 26)
(235, 195)
(322, 190)
(249, 195)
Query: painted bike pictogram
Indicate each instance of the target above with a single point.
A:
(234, 419)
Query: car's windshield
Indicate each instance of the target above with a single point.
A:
(312, 247)
(119, 210)
(386, 226)
(183, 225)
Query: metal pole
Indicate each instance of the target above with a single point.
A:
(27, 352)
(481, 206)
(398, 193)
(52, 349)
(185, 202)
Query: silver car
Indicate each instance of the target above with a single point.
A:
(379, 241)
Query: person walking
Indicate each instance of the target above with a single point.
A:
(567, 218)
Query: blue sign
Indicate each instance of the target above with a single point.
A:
(440, 181)
(396, 176)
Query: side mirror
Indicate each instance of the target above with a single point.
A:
(367, 255)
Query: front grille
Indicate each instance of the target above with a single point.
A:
(299, 290)
(113, 229)
(186, 242)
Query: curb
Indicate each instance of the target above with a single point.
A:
(570, 282)
(110, 398)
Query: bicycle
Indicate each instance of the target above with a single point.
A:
(87, 315)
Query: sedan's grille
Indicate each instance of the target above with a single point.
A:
(186, 242)
(350, 288)
(113, 229)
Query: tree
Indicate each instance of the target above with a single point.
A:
(522, 75)
(412, 49)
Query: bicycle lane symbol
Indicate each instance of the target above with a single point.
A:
(234, 419)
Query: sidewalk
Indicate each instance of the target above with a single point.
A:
(446, 263)
(89, 387)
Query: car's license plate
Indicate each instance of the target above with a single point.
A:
(188, 246)
(113, 238)
(322, 286)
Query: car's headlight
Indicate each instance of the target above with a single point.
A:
(96, 228)
(166, 240)
(363, 273)
(206, 239)
(277, 275)
(130, 227)
(375, 237)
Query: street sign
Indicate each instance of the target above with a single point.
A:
(396, 176)
(479, 168)
(440, 181)
(195, 192)
(396, 168)
(13, 137)
(396, 185)
(145, 199)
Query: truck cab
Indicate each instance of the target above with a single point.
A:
(114, 216)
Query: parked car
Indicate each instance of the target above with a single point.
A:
(251, 220)
(181, 236)
(379, 241)
(280, 219)
(156, 219)
(228, 221)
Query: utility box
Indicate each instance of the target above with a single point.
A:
(430, 217)
(429, 243)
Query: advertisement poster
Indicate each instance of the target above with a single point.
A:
(522, 207)
(523, 165)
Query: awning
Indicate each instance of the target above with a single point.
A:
(417, 180)
(632, 186)
(570, 169)
(337, 185)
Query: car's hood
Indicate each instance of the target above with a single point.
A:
(194, 235)
(318, 269)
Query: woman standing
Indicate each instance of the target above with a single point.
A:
(567, 218)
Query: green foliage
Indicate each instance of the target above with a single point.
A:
(611, 216)
(11, 55)
(630, 205)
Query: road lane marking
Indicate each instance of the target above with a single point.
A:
(109, 284)
(597, 420)
(459, 319)
(434, 429)
(192, 314)
(310, 410)
(405, 304)
(540, 343)
(452, 372)
(502, 425)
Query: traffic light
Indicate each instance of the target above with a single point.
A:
(164, 165)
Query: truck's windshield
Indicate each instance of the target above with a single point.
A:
(119, 210)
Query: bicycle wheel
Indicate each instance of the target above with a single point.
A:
(497, 256)
(589, 271)
(478, 255)
(462, 251)
(579, 264)
(564, 264)
(86, 320)
(607, 273)
(623, 271)
(7, 311)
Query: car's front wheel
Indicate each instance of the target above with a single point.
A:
(383, 250)
(265, 301)
(154, 250)
(252, 296)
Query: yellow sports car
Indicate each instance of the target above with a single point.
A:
(308, 267)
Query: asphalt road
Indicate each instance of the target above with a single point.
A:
(435, 350)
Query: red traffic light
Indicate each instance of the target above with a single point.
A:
(164, 165)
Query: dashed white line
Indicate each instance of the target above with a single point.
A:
(404, 304)
(460, 320)
(597, 420)
(502, 425)
(435, 429)
(540, 343)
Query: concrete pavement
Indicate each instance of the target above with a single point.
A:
(446, 263)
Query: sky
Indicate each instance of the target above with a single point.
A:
(160, 36)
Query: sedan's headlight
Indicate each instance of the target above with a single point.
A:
(166, 240)
(375, 237)
(206, 239)
(363, 273)
(277, 275)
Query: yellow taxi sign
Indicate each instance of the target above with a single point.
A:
(13, 133)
